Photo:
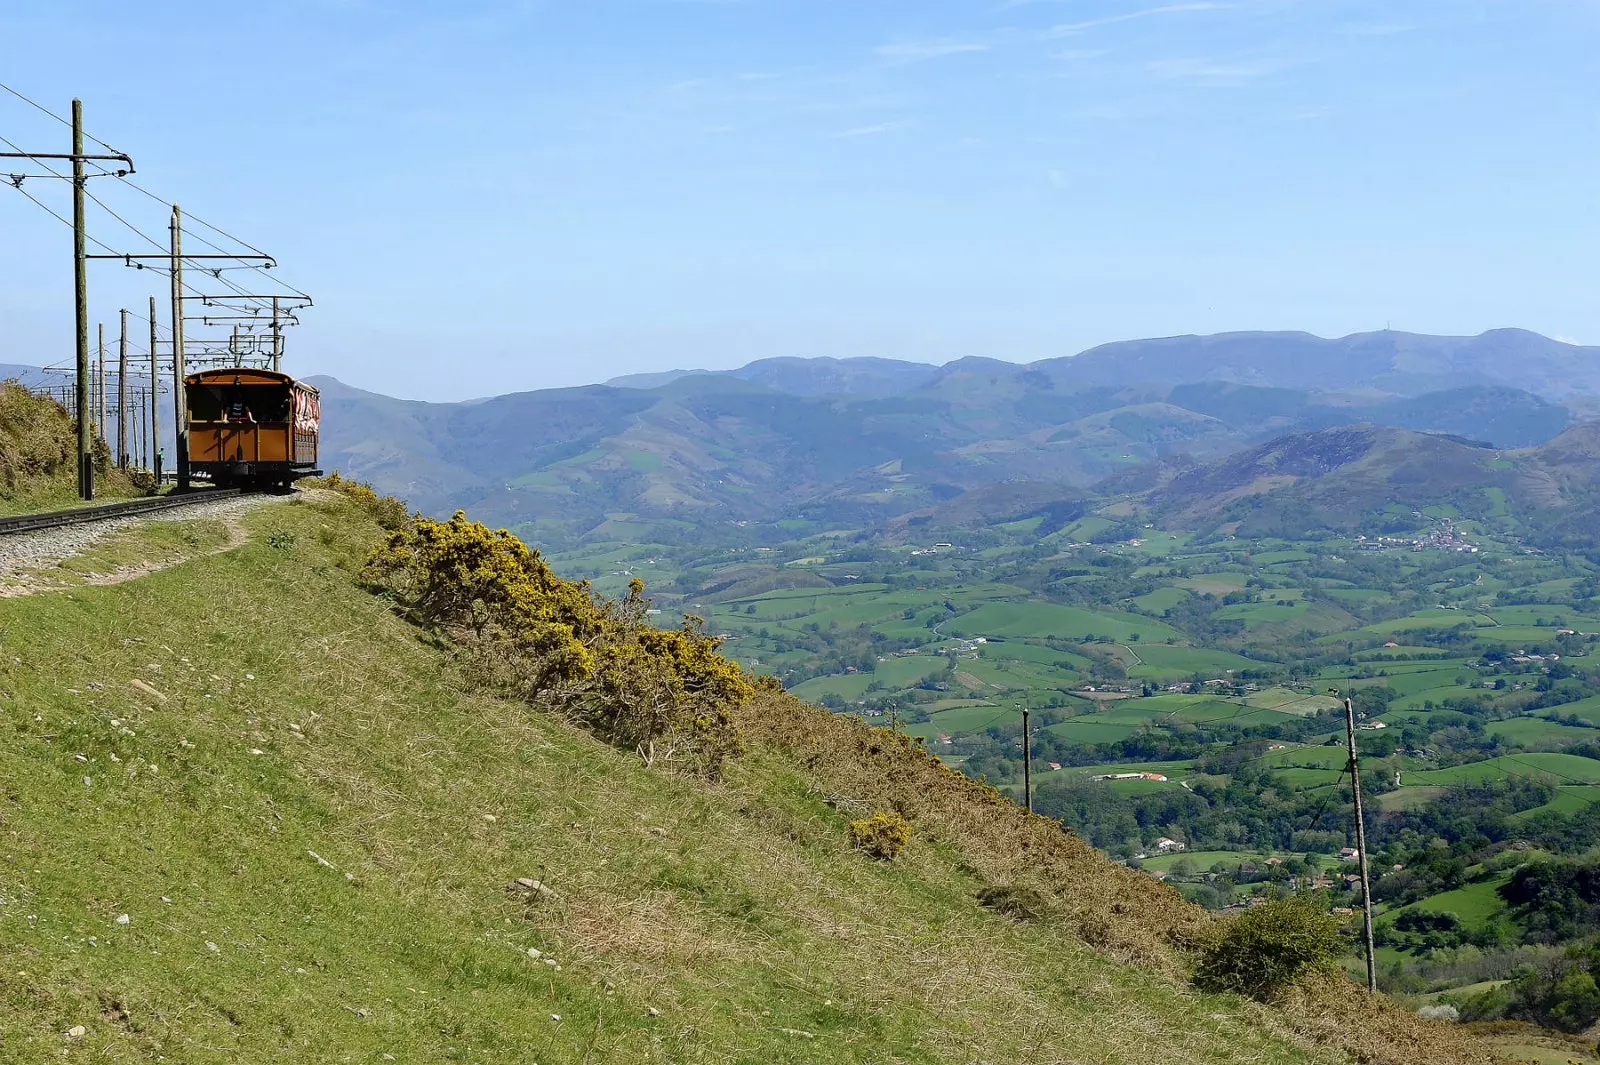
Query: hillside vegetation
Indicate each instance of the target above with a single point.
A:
(249, 813)
(38, 455)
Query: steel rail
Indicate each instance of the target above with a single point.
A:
(56, 519)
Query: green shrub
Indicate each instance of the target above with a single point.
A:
(1265, 949)
(883, 835)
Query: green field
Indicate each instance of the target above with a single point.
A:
(1290, 701)
(958, 720)
(1323, 757)
(1204, 860)
(1431, 619)
(1167, 663)
(1569, 768)
(1171, 770)
(1285, 613)
(1423, 677)
(1018, 651)
(1052, 621)
(1161, 599)
(1584, 709)
(1419, 700)
(1090, 728)
(1541, 733)
(1569, 800)
(1410, 798)
(850, 687)
(1304, 779)
(1474, 904)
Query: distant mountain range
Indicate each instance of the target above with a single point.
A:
(1386, 362)
(1346, 478)
(856, 442)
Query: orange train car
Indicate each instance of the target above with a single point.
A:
(251, 428)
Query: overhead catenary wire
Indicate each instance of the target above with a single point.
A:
(189, 217)
(97, 242)
(261, 302)
(41, 107)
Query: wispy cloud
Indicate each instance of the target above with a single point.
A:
(1213, 72)
(921, 51)
(1377, 29)
(1068, 29)
(876, 130)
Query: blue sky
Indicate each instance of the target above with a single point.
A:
(490, 196)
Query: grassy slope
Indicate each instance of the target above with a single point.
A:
(694, 923)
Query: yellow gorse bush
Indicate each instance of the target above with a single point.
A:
(387, 511)
(666, 693)
(883, 835)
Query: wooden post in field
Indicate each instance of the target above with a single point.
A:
(1361, 847)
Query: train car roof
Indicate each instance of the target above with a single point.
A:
(245, 375)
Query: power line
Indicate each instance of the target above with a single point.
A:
(66, 221)
(193, 218)
(41, 107)
(143, 235)
(218, 230)
(163, 271)
(215, 229)
(146, 192)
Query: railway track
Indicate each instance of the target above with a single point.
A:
(57, 519)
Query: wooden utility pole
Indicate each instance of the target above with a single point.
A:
(81, 306)
(122, 394)
(1027, 762)
(179, 413)
(1361, 847)
(100, 388)
(153, 425)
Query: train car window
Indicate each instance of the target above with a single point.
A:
(225, 401)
